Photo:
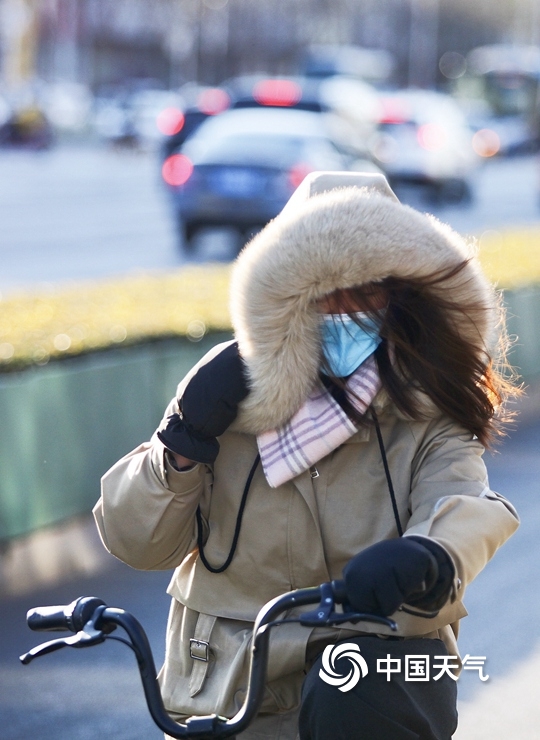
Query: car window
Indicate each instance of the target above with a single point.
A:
(268, 121)
(279, 151)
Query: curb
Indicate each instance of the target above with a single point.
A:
(52, 555)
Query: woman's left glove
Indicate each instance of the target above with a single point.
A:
(209, 405)
(408, 570)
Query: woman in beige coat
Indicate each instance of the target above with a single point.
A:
(340, 435)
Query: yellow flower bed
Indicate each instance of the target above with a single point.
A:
(71, 320)
(38, 326)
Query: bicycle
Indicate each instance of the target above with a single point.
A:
(92, 622)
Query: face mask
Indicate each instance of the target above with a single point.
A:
(345, 344)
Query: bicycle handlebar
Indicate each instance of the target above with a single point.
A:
(92, 621)
(72, 617)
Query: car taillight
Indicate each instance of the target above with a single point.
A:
(394, 111)
(486, 143)
(298, 173)
(170, 121)
(280, 93)
(212, 101)
(176, 170)
(432, 136)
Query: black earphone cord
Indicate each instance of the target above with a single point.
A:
(238, 525)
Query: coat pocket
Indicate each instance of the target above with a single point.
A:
(206, 660)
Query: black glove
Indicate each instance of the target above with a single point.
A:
(407, 570)
(209, 405)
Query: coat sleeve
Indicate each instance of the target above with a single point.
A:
(146, 513)
(451, 501)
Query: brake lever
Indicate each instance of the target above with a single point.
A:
(86, 637)
(324, 615)
(355, 617)
(319, 616)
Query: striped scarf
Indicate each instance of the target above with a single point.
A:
(318, 428)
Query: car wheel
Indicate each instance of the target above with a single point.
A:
(190, 231)
(185, 233)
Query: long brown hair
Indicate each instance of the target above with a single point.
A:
(425, 348)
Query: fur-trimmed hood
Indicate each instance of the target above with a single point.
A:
(337, 231)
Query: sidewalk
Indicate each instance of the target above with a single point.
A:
(505, 709)
(51, 556)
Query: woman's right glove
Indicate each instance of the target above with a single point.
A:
(208, 407)
(406, 570)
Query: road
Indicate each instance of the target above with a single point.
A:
(84, 695)
(80, 694)
(78, 213)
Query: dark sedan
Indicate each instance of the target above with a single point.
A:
(240, 168)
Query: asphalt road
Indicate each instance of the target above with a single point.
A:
(94, 693)
(77, 213)
(80, 694)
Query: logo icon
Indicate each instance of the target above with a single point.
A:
(358, 670)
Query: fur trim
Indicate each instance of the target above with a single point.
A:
(337, 239)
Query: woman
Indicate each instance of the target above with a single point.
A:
(352, 411)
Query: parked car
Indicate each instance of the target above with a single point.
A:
(423, 138)
(240, 167)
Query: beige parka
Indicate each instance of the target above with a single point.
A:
(305, 531)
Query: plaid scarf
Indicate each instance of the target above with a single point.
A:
(318, 428)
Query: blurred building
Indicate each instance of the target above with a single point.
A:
(106, 42)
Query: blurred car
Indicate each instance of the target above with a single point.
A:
(354, 106)
(27, 128)
(240, 167)
(148, 110)
(178, 125)
(134, 118)
(321, 61)
(258, 91)
(423, 138)
(350, 106)
(501, 89)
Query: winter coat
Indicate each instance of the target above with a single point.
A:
(304, 532)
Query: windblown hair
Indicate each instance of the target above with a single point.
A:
(423, 350)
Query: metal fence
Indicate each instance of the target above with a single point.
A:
(65, 424)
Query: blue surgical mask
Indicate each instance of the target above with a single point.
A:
(346, 344)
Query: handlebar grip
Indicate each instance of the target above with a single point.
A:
(48, 619)
(70, 617)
